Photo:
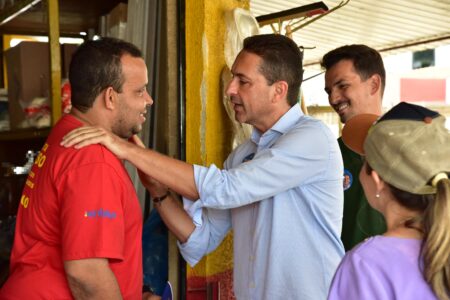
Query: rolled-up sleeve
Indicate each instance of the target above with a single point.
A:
(215, 224)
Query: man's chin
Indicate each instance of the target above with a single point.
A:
(239, 119)
(136, 129)
(345, 117)
(128, 134)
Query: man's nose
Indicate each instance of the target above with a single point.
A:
(149, 100)
(231, 88)
(334, 96)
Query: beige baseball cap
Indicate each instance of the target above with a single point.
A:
(408, 146)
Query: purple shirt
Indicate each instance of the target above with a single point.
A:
(381, 268)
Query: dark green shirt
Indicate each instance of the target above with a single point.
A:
(360, 219)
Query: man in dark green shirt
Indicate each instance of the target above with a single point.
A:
(354, 81)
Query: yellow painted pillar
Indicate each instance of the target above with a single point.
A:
(208, 129)
(55, 59)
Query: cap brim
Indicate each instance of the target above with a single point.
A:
(355, 131)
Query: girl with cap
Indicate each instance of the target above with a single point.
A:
(405, 177)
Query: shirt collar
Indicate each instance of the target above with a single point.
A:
(282, 125)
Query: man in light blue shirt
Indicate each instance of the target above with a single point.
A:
(281, 191)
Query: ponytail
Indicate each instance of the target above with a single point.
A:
(436, 243)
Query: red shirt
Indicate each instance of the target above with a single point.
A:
(76, 204)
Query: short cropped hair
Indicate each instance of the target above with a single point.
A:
(281, 60)
(366, 61)
(95, 66)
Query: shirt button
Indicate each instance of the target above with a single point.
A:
(252, 258)
(252, 285)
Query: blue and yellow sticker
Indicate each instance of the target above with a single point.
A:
(348, 179)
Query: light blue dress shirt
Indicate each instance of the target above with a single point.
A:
(284, 205)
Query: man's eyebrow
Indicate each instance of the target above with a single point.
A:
(327, 89)
(338, 82)
(142, 87)
(241, 75)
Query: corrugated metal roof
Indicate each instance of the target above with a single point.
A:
(387, 25)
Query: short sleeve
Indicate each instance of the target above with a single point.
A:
(357, 278)
(92, 213)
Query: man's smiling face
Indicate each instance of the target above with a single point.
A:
(348, 94)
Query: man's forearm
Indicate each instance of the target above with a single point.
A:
(92, 279)
(176, 218)
(176, 174)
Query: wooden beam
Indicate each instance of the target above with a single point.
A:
(55, 59)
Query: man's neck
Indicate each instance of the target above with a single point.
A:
(82, 117)
(271, 120)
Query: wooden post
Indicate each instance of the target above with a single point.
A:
(55, 59)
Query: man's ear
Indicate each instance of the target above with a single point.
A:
(375, 84)
(281, 90)
(109, 98)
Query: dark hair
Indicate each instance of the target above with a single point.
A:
(366, 61)
(96, 65)
(281, 60)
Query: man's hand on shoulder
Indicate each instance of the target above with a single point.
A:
(88, 135)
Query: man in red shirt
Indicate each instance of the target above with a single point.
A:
(79, 224)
